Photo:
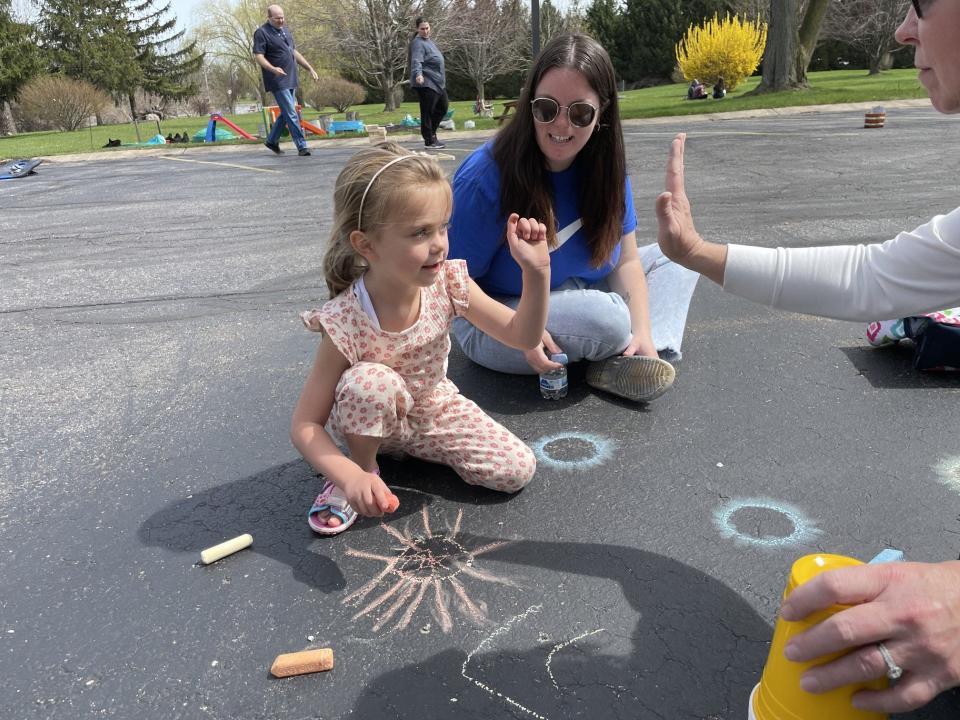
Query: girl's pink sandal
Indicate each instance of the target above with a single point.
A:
(331, 500)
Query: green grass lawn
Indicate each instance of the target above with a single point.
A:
(838, 86)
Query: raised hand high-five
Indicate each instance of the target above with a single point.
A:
(677, 235)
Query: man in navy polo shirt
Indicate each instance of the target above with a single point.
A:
(274, 51)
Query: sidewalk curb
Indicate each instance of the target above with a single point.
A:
(318, 146)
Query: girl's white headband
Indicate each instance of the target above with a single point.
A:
(369, 184)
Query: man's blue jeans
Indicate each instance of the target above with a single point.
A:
(287, 102)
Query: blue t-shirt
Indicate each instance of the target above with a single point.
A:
(277, 47)
(477, 228)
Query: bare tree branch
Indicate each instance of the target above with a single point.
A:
(867, 25)
(373, 37)
(485, 41)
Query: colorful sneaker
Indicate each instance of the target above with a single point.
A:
(885, 332)
(634, 377)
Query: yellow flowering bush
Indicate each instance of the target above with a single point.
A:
(730, 48)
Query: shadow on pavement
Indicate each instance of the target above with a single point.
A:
(697, 651)
(272, 506)
(892, 367)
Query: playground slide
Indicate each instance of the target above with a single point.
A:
(315, 129)
(239, 131)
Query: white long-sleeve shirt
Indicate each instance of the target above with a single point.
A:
(915, 272)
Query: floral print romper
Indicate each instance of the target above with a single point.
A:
(396, 388)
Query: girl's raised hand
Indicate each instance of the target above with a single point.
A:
(527, 238)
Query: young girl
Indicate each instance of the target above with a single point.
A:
(379, 380)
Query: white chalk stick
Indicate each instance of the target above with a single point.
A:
(212, 554)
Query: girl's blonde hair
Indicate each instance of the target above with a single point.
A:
(387, 195)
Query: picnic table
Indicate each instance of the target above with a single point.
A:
(507, 107)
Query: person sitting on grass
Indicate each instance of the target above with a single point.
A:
(719, 89)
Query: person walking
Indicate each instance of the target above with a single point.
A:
(428, 78)
(277, 56)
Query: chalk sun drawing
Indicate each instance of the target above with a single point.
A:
(503, 630)
(601, 450)
(804, 530)
(949, 471)
(430, 566)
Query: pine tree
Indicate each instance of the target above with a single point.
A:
(694, 12)
(20, 59)
(649, 32)
(167, 66)
(89, 40)
(603, 23)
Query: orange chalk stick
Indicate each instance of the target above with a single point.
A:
(303, 662)
(394, 504)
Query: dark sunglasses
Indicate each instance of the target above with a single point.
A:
(546, 110)
(920, 6)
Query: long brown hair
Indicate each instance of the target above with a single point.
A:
(524, 176)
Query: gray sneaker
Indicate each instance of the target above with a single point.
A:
(634, 377)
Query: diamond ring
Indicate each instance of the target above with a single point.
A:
(894, 671)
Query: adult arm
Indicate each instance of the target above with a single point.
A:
(629, 281)
(914, 272)
(266, 65)
(416, 62)
(912, 608)
(302, 62)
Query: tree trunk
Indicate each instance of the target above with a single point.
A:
(780, 60)
(8, 125)
(133, 106)
(389, 93)
(809, 34)
(875, 61)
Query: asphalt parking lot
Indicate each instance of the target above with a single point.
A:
(151, 358)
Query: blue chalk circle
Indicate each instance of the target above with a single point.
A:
(601, 451)
(804, 529)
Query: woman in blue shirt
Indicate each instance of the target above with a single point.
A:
(562, 159)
